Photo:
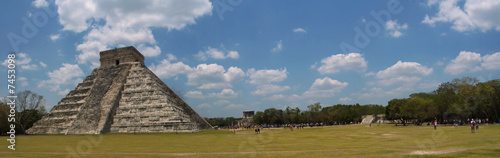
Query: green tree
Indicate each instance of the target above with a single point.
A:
(29, 108)
(4, 124)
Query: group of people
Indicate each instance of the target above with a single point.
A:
(474, 125)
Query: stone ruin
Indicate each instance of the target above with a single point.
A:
(122, 96)
(379, 118)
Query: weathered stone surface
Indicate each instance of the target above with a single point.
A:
(123, 95)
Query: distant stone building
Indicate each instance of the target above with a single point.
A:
(124, 96)
(247, 118)
(379, 118)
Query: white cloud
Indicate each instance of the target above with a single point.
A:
(167, 69)
(325, 87)
(473, 15)
(195, 95)
(407, 73)
(278, 47)
(465, 61)
(79, 15)
(215, 53)
(126, 23)
(54, 37)
(225, 93)
(23, 81)
(233, 55)
(222, 102)
(261, 77)
(429, 85)
(40, 3)
(299, 30)
(379, 92)
(214, 76)
(64, 92)
(234, 106)
(345, 99)
(293, 97)
(149, 51)
(342, 62)
(277, 97)
(43, 64)
(269, 89)
(171, 57)
(394, 29)
(491, 62)
(22, 60)
(67, 74)
(204, 105)
(29, 67)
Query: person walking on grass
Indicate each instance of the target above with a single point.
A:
(435, 124)
(472, 124)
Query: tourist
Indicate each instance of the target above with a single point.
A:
(472, 124)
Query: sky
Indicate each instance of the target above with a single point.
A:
(227, 56)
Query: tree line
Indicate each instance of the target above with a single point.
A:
(460, 99)
(29, 109)
(340, 114)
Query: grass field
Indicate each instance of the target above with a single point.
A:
(333, 141)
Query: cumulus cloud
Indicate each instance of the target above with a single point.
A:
(65, 75)
(22, 60)
(24, 81)
(299, 30)
(278, 47)
(54, 37)
(29, 67)
(269, 89)
(491, 62)
(195, 95)
(325, 87)
(345, 99)
(215, 53)
(64, 92)
(342, 62)
(235, 106)
(222, 102)
(233, 55)
(472, 62)
(126, 23)
(214, 76)
(379, 92)
(43, 64)
(261, 77)
(276, 97)
(407, 73)
(204, 105)
(40, 3)
(473, 15)
(225, 94)
(394, 29)
(168, 69)
(465, 61)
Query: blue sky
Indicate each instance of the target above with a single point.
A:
(224, 57)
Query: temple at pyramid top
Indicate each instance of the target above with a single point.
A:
(119, 56)
(121, 96)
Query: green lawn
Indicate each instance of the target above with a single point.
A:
(334, 141)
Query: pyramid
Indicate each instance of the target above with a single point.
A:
(122, 96)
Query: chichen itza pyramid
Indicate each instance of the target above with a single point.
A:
(124, 96)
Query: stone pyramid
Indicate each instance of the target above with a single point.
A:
(123, 96)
